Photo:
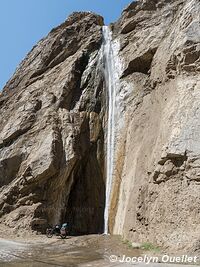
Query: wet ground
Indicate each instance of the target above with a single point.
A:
(73, 251)
(84, 251)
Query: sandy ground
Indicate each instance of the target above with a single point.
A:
(74, 251)
(24, 249)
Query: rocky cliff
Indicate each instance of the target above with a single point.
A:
(51, 137)
(157, 170)
(54, 126)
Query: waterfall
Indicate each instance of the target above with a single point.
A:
(111, 77)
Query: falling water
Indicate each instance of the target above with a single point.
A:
(110, 77)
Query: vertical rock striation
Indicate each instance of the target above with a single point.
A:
(156, 193)
(51, 132)
(53, 126)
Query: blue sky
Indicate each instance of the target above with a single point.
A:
(25, 22)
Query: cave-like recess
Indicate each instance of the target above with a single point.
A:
(85, 206)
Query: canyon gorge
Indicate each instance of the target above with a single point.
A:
(100, 127)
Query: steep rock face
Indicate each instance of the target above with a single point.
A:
(156, 190)
(53, 128)
(51, 132)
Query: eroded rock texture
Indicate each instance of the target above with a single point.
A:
(157, 187)
(52, 129)
(51, 132)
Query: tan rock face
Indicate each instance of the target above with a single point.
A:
(159, 196)
(51, 133)
(53, 128)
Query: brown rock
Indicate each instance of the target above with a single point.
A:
(160, 54)
(51, 135)
(53, 128)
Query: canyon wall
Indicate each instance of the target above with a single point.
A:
(54, 124)
(52, 133)
(156, 195)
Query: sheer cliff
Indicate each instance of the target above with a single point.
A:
(52, 135)
(156, 191)
(54, 127)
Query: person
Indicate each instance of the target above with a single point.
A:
(57, 229)
(64, 230)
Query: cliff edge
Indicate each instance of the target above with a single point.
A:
(53, 128)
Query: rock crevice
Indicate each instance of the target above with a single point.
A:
(53, 128)
(52, 149)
